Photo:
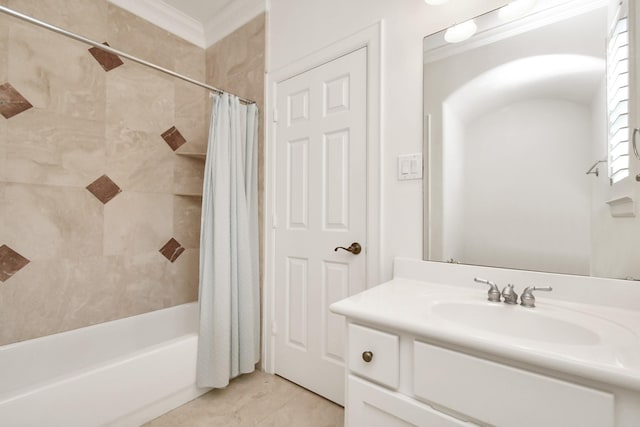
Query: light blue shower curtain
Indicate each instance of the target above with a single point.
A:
(229, 342)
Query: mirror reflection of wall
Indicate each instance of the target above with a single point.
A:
(512, 123)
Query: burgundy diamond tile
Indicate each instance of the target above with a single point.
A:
(12, 102)
(104, 189)
(172, 250)
(107, 60)
(174, 138)
(10, 262)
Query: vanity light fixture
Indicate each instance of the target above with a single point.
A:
(460, 32)
(435, 2)
(516, 9)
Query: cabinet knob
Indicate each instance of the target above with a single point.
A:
(367, 356)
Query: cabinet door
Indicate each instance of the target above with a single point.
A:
(384, 367)
(504, 396)
(370, 405)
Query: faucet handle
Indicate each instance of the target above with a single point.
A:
(494, 292)
(509, 295)
(527, 299)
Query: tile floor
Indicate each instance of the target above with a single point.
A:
(257, 399)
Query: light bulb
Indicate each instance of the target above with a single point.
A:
(461, 32)
(516, 9)
(435, 2)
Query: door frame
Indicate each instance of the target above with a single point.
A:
(370, 38)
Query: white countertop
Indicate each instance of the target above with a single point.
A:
(608, 351)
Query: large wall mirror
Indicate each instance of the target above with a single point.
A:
(525, 137)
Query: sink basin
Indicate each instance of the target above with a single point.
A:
(519, 322)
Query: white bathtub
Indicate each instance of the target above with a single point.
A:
(119, 373)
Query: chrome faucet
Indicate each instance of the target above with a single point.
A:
(509, 295)
(527, 299)
(494, 292)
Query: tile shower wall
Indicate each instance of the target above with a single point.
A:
(237, 64)
(91, 228)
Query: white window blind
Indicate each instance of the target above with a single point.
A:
(618, 100)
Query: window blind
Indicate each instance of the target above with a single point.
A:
(618, 100)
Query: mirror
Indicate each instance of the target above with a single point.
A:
(514, 118)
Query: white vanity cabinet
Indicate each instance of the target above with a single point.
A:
(371, 405)
(373, 380)
(398, 379)
(505, 396)
(424, 353)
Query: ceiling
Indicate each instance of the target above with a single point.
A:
(202, 22)
(200, 10)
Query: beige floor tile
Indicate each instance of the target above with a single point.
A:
(256, 399)
(306, 409)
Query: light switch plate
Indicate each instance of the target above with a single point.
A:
(409, 166)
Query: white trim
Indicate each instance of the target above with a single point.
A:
(229, 19)
(167, 17)
(492, 29)
(371, 38)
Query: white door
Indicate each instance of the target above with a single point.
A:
(321, 159)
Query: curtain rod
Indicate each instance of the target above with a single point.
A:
(113, 51)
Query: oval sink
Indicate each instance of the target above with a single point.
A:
(516, 321)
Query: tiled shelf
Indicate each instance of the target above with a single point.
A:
(201, 156)
(187, 194)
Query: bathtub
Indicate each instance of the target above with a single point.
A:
(119, 373)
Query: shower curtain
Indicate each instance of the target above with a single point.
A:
(229, 342)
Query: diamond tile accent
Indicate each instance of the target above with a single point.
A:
(12, 102)
(10, 262)
(174, 138)
(172, 250)
(104, 189)
(107, 60)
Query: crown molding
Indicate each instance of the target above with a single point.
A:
(167, 17)
(238, 13)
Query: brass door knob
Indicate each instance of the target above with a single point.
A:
(367, 356)
(355, 248)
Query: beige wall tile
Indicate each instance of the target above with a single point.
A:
(150, 284)
(75, 294)
(189, 173)
(140, 38)
(55, 73)
(44, 147)
(230, 55)
(137, 160)
(90, 298)
(31, 306)
(4, 46)
(138, 224)
(190, 101)
(139, 99)
(3, 205)
(3, 151)
(189, 60)
(48, 222)
(186, 220)
(249, 83)
(87, 18)
(91, 290)
(92, 262)
(141, 283)
(183, 274)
